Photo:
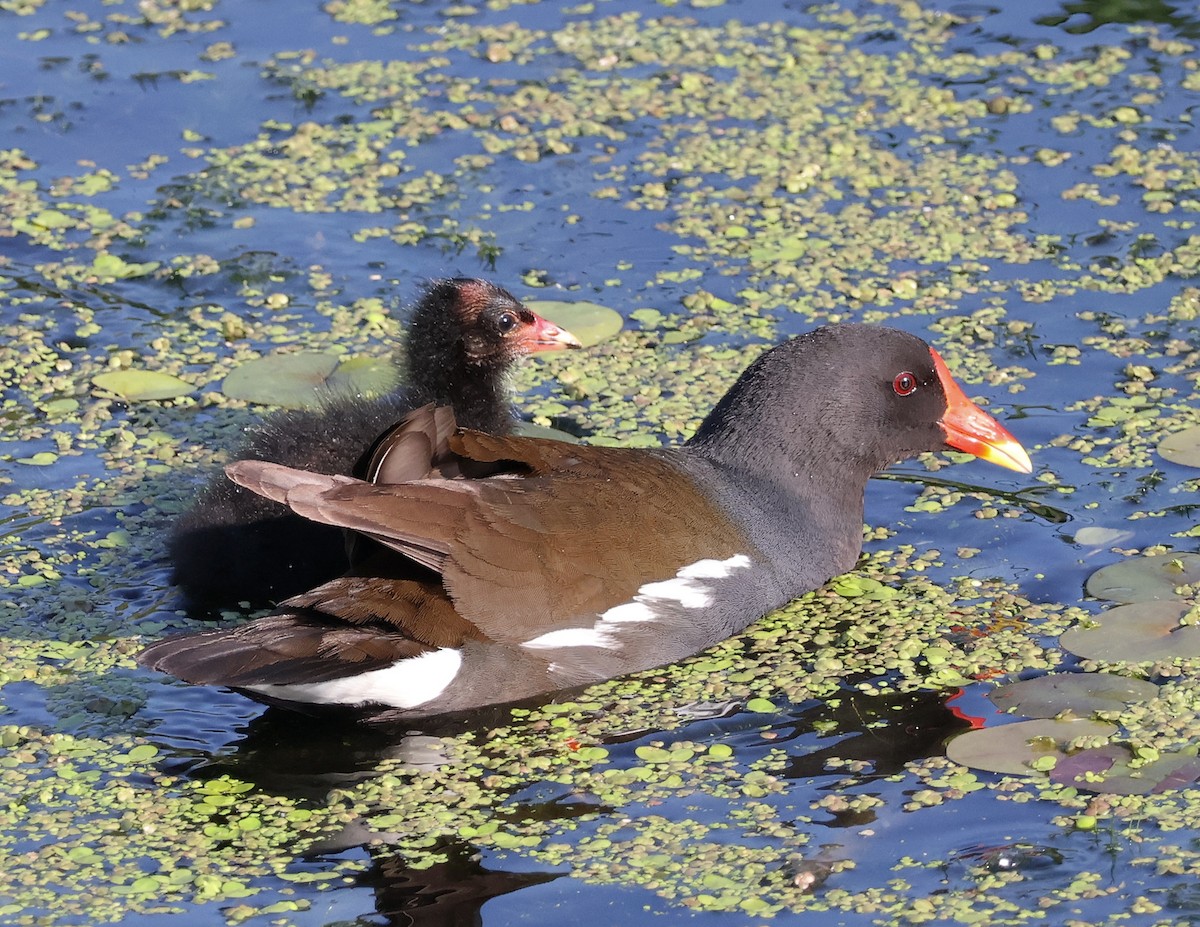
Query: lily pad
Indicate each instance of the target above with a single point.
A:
(1142, 579)
(1096, 536)
(110, 265)
(1137, 632)
(1112, 769)
(64, 406)
(365, 375)
(852, 586)
(591, 323)
(138, 385)
(1016, 748)
(647, 318)
(299, 381)
(1079, 693)
(532, 430)
(1183, 447)
(288, 380)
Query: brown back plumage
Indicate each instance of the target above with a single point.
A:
(554, 536)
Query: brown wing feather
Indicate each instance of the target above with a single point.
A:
(279, 649)
(413, 448)
(283, 481)
(536, 455)
(523, 555)
(420, 610)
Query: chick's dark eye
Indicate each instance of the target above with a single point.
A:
(904, 383)
(507, 322)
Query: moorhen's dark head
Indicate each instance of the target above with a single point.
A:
(854, 398)
(464, 338)
(469, 323)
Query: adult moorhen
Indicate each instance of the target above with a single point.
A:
(508, 567)
(461, 342)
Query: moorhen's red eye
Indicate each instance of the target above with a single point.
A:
(904, 383)
(506, 322)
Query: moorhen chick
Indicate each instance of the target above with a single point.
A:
(508, 567)
(462, 340)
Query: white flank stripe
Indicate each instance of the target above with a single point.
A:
(684, 588)
(405, 684)
(570, 637)
(715, 569)
(637, 610)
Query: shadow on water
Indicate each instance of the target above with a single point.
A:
(884, 731)
(448, 894)
(1085, 16)
(305, 757)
